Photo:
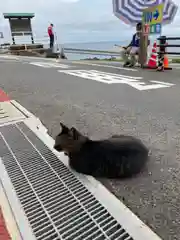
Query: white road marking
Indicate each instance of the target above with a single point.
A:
(6, 60)
(177, 66)
(106, 66)
(49, 65)
(165, 83)
(110, 78)
(9, 57)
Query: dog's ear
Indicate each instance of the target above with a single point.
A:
(74, 133)
(64, 128)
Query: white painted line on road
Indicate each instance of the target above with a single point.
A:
(92, 72)
(111, 78)
(106, 66)
(8, 60)
(164, 83)
(175, 66)
(8, 57)
(49, 65)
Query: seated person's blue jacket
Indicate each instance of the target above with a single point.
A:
(136, 41)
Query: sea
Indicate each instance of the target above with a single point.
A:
(109, 46)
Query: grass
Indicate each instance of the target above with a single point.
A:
(112, 60)
(176, 60)
(105, 59)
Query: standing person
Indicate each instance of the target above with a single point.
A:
(51, 35)
(133, 48)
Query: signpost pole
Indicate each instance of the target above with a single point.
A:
(143, 47)
(151, 22)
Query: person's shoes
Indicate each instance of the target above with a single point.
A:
(160, 69)
(131, 65)
(126, 64)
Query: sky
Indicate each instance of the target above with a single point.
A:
(76, 20)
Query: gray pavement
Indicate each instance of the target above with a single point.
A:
(100, 108)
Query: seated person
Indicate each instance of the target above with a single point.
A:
(133, 48)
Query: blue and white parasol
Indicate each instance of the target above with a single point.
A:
(130, 11)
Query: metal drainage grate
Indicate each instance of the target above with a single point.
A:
(56, 203)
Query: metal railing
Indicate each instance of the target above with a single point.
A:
(91, 52)
(163, 44)
(80, 51)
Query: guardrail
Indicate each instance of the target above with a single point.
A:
(91, 52)
(163, 45)
(163, 51)
(103, 53)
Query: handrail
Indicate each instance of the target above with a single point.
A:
(169, 45)
(163, 45)
(88, 50)
(94, 52)
(169, 38)
(91, 51)
(21, 32)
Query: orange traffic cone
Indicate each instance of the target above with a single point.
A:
(166, 62)
(152, 63)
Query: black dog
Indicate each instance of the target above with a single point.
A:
(117, 157)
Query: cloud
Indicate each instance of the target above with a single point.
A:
(77, 20)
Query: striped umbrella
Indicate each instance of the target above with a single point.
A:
(130, 11)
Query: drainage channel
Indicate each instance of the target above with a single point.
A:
(56, 203)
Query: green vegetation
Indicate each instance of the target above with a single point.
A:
(176, 60)
(112, 60)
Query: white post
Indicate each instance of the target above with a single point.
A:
(25, 45)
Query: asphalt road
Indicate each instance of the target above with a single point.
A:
(113, 100)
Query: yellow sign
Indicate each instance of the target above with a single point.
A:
(153, 15)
